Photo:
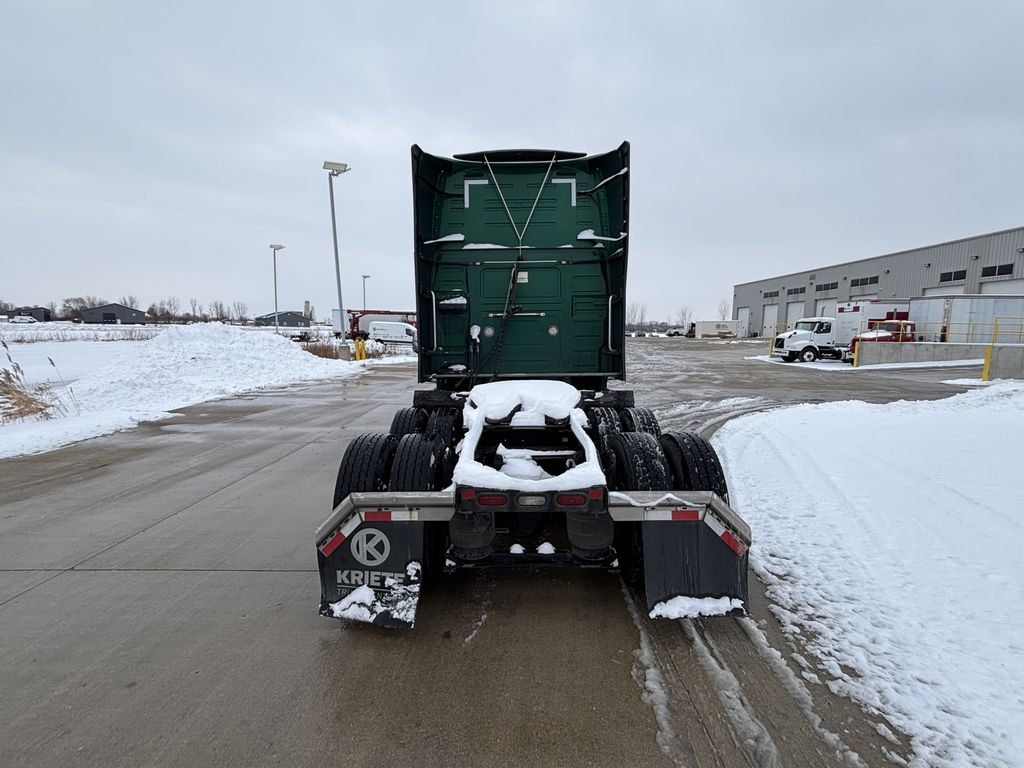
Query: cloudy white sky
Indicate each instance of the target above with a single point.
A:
(157, 149)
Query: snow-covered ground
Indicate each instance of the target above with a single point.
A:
(888, 537)
(837, 365)
(113, 385)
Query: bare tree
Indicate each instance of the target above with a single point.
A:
(154, 313)
(241, 312)
(684, 316)
(73, 307)
(194, 307)
(218, 310)
(724, 308)
(129, 301)
(52, 306)
(173, 308)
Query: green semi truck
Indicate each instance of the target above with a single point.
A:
(520, 454)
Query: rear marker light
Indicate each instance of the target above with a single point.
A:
(492, 500)
(377, 516)
(525, 500)
(467, 494)
(733, 543)
(686, 514)
(596, 494)
(570, 499)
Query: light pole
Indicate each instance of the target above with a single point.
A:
(275, 248)
(364, 291)
(336, 169)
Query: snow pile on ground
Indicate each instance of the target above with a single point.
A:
(182, 366)
(887, 537)
(529, 402)
(839, 365)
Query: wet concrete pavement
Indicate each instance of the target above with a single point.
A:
(158, 595)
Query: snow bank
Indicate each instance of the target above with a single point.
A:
(837, 365)
(182, 366)
(534, 400)
(896, 559)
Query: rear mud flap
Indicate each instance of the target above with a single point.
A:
(690, 559)
(372, 572)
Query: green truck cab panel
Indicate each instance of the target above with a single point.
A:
(521, 265)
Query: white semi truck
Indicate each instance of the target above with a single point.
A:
(829, 337)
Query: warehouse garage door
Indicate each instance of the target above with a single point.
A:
(771, 317)
(743, 315)
(794, 311)
(952, 290)
(825, 308)
(1012, 287)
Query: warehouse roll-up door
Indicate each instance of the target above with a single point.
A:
(771, 318)
(794, 311)
(1011, 287)
(825, 308)
(952, 290)
(743, 315)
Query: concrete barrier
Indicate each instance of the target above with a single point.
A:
(1004, 361)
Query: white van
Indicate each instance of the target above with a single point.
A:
(392, 333)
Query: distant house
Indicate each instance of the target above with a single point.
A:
(114, 314)
(285, 320)
(41, 314)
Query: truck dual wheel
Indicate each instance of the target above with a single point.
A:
(640, 420)
(694, 463)
(639, 465)
(639, 462)
(409, 421)
(444, 424)
(808, 355)
(416, 465)
(605, 423)
(365, 465)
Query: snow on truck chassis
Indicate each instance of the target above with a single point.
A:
(521, 455)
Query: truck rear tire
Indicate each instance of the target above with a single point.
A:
(408, 421)
(808, 355)
(605, 423)
(416, 467)
(416, 464)
(640, 420)
(694, 463)
(365, 465)
(639, 462)
(444, 424)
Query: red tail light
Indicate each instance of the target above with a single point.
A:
(467, 494)
(596, 494)
(570, 500)
(492, 500)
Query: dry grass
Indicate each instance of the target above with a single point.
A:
(323, 348)
(19, 400)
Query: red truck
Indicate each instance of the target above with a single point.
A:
(884, 330)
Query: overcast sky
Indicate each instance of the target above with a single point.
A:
(157, 149)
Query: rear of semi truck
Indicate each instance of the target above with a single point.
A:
(520, 455)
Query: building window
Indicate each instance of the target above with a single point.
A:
(949, 277)
(795, 291)
(826, 287)
(771, 294)
(857, 281)
(1002, 269)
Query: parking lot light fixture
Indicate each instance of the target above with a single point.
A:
(275, 248)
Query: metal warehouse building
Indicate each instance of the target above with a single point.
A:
(984, 264)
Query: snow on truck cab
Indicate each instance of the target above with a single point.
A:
(521, 455)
